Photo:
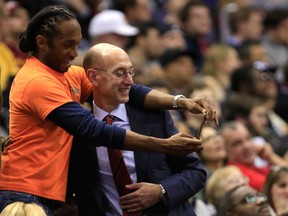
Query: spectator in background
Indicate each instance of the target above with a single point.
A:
(252, 50)
(213, 156)
(168, 13)
(172, 37)
(83, 9)
(257, 79)
(245, 24)
(23, 209)
(242, 153)
(243, 200)
(269, 5)
(252, 112)
(220, 62)
(196, 24)
(108, 26)
(135, 10)
(276, 189)
(225, 8)
(17, 20)
(178, 69)
(276, 39)
(222, 180)
(144, 50)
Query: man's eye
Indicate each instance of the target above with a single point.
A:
(120, 72)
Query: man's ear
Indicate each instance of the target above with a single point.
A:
(93, 77)
(41, 42)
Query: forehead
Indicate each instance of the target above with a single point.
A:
(116, 58)
(208, 131)
(235, 135)
(198, 10)
(236, 130)
(68, 29)
(241, 192)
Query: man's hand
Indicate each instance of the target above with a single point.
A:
(198, 106)
(178, 144)
(266, 152)
(183, 144)
(144, 196)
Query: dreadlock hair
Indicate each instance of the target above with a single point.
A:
(45, 23)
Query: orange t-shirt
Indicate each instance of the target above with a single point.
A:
(37, 161)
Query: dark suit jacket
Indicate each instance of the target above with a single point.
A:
(182, 177)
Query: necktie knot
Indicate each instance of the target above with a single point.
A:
(109, 119)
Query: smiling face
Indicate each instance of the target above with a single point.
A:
(239, 145)
(110, 90)
(241, 207)
(60, 50)
(214, 149)
(279, 191)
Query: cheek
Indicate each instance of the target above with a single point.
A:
(206, 153)
(275, 191)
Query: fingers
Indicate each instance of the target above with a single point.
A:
(210, 115)
(204, 106)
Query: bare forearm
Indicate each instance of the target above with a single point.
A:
(138, 142)
(179, 144)
(158, 100)
(277, 160)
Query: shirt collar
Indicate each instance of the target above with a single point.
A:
(119, 112)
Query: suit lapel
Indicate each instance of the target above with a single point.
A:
(137, 124)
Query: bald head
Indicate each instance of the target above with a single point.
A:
(110, 72)
(98, 55)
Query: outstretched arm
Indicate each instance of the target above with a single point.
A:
(73, 118)
(150, 98)
(159, 100)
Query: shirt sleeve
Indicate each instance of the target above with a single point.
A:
(76, 120)
(137, 95)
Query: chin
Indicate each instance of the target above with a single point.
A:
(124, 99)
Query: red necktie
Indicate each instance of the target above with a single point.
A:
(119, 169)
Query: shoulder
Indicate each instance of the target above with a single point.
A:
(76, 70)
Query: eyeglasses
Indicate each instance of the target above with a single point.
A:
(251, 198)
(120, 72)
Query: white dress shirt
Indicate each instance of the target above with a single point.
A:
(107, 182)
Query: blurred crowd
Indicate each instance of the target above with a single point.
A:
(235, 53)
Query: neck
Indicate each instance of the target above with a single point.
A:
(213, 165)
(104, 105)
(224, 80)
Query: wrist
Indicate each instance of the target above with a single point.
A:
(163, 196)
(178, 102)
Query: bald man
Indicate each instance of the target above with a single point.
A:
(161, 184)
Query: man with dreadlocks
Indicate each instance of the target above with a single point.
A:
(45, 114)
